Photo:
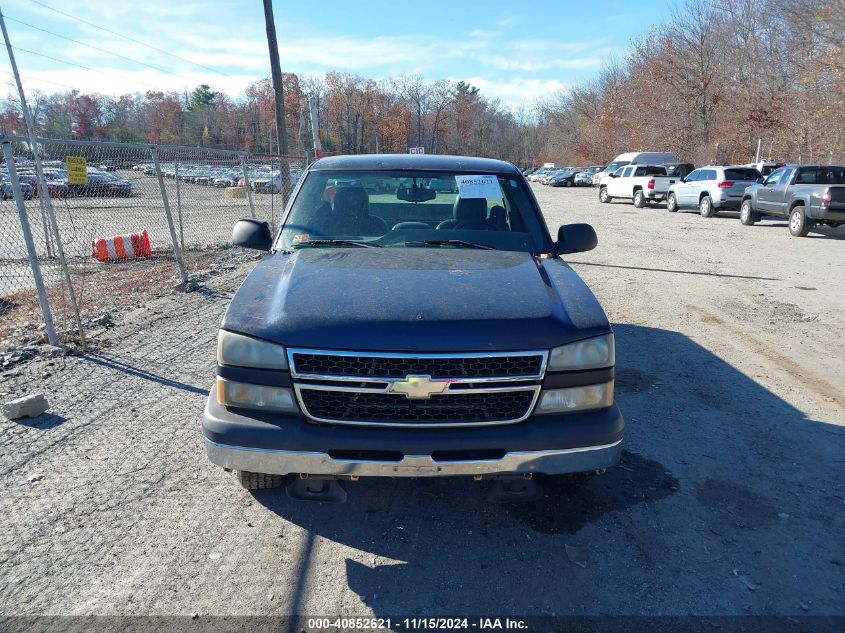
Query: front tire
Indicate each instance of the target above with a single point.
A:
(259, 481)
(747, 215)
(603, 195)
(705, 207)
(639, 199)
(799, 225)
(671, 203)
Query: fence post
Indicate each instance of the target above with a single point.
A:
(248, 188)
(177, 251)
(273, 200)
(44, 194)
(30, 245)
(179, 205)
(46, 224)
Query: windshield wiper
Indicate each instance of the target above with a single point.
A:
(336, 242)
(463, 243)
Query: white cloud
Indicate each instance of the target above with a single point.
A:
(129, 81)
(519, 90)
(510, 21)
(235, 45)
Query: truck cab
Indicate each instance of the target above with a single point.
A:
(421, 332)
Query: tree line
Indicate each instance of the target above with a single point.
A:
(708, 83)
(711, 82)
(355, 114)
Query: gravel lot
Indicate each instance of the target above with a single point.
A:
(729, 500)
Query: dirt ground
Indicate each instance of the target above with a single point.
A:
(729, 499)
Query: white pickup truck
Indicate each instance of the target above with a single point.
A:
(641, 183)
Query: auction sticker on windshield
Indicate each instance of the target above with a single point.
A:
(478, 187)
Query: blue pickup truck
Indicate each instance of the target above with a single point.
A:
(411, 333)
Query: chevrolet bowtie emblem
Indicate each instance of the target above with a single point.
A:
(419, 387)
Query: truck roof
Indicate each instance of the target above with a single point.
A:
(426, 162)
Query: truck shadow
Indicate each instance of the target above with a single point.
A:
(706, 491)
(819, 231)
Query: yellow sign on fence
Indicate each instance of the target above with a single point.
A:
(77, 170)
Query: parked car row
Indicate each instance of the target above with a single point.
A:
(99, 183)
(6, 189)
(593, 175)
(262, 178)
(563, 176)
(805, 195)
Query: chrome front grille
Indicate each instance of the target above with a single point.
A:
(391, 408)
(416, 390)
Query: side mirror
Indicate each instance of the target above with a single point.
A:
(576, 238)
(684, 179)
(251, 233)
(761, 181)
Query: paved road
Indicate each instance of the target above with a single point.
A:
(730, 497)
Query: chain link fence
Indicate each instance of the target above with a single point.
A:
(135, 221)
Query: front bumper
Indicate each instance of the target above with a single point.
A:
(275, 444)
(280, 462)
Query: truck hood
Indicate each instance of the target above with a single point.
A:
(414, 299)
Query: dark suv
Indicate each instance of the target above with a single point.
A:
(420, 332)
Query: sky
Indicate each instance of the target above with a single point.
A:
(518, 52)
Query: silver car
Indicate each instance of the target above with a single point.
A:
(711, 189)
(586, 177)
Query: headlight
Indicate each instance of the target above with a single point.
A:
(576, 398)
(245, 351)
(592, 353)
(262, 397)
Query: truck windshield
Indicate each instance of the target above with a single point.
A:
(413, 210)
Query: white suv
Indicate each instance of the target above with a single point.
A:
(711, 189)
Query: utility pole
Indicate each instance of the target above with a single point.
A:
(315, 127)
(276, 74)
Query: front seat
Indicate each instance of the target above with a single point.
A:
(469, 213)
(351, 214)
